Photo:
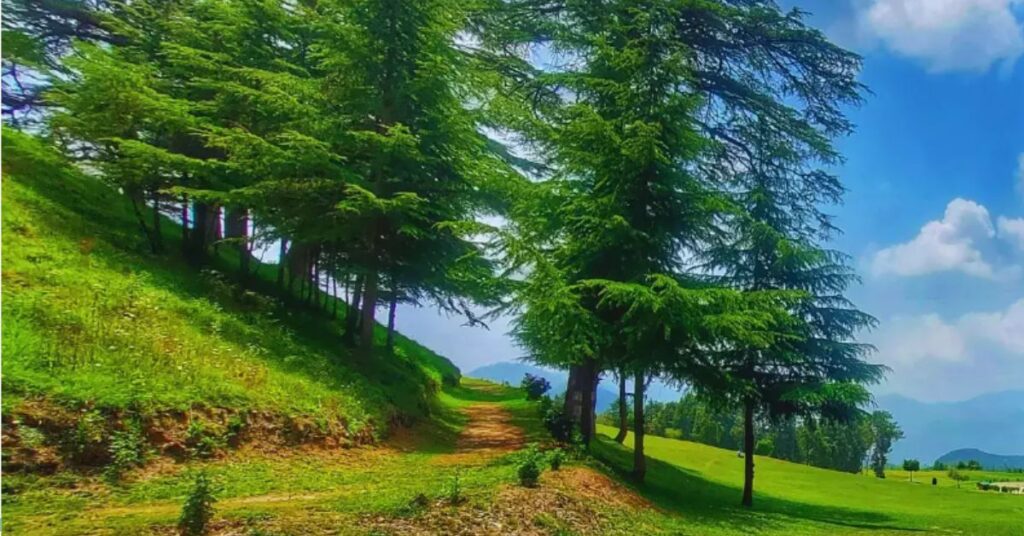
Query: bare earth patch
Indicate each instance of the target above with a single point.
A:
(488, 435)
(568, 500)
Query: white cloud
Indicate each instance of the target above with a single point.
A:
(1012, 231)
(949, 244)
(911, 339)
(947, 35)
(1005, 329)
(905, 340)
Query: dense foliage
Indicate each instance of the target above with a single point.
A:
(663, 196)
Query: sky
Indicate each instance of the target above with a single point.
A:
(934, 216)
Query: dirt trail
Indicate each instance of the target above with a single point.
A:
(488, 434)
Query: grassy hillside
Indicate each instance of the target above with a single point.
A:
(701, 485)
(92, 322)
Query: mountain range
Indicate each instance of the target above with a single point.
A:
(987, 460)
(991, 422)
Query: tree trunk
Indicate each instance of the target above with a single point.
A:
(369, 308)
(748, 453)
(572, 394)
(184, 222)
(352, 313)
(281, 259)
(334, 296)
(236, 227)
(392, 306)
(623, 410)
(158, 233)
(639, 462)
(138, 203)
(200, 232)
(587, 385)
(216, 229)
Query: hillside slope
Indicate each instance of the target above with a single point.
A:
(96, 330)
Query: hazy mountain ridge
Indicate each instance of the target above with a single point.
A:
(986, 459)
(992, 422)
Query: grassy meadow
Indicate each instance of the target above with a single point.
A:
(704, 483)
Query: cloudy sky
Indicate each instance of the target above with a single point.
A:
(935, 212)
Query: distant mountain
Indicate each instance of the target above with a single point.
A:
(987, 460)
(990, 423)
(607, 391)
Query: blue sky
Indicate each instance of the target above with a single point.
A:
(934, 218)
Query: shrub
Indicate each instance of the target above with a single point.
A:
(87, 437)
(673, 433)
(529, 467)
(535, 386)
(198, 508)
(765, 446)
(202, 442)
(454, 493)
(558, 423)
(557, 457)
(127, 450)
(235, 427)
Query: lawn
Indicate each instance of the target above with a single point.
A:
(699, 488)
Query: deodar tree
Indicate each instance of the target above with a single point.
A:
(675, 121)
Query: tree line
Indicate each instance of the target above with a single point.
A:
(853, 445)
(643, 185)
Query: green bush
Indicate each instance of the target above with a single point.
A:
(535, 386)
(127, 450)
(673, 433)
(202, 442)
(558, 423)
(556, 459)
(529, 467)
(454, 493)
(198, 509)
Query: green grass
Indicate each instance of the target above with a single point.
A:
(90, 318)
(699, 488)
(318, 490)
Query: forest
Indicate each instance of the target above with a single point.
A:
(643, 186)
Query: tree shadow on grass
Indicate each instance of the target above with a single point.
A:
(686, 492)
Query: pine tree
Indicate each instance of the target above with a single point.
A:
(772, 246)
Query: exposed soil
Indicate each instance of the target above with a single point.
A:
(488, 435)
(566, 501)
(80, 439)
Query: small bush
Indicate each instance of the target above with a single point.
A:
(529, 467)
(235, 427)
(558, 423)
(202, 442)
(198, 509)
(127, 450)
(556, 459)
(673, 433)
(535, 386)
(454, 493)
(86, 438)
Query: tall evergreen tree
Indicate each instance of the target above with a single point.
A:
(772, 245)
(406, 90)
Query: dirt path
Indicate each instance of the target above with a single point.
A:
(488, 434)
